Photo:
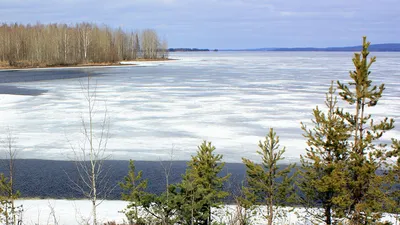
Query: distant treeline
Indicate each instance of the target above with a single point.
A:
(191, 50)
(61, 44)
(394, 47)
(372, 48)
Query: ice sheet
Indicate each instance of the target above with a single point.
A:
(231, 99)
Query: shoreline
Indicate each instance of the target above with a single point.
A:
(87, 65)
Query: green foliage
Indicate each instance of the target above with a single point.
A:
(201, 187)
(323, 175)
(267, 182)
(134, 192)
(366, 155)
(163, 208)
(394, 185)
(188, 202)
(346, 170)
(340, 170)
(8, 210)
(145, 208)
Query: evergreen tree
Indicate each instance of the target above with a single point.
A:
(134, 192)
(267, 182)
(323, 176)
(8, 212)
(366, 154)
(395, 183)
(163, 207)
(201, 186)
(5, 188)
(144, 207)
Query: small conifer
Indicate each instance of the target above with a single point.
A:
(269, 183)
(201, 186)
(322, 179)
(134, 192)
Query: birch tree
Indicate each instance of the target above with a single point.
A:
(86, 38)
(59, 44)
(92, 174)
(7, 183)
(150, 44)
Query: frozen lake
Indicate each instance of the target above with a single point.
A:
(229, 98)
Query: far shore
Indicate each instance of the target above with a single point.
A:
(4, 67)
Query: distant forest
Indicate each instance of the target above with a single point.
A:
(393, 47)
(82, 43)
(373, 48)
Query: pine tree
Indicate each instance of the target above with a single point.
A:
(163, 207)
(267, 182)
(146, 207)
(5, 188)
(323, 176)
(395, 183)
(201, 186)
(134, 192)
(366, 155)
(7, 209)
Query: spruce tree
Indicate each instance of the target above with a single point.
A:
(322, 179)
(366, 155)
(268, 183)
(201, 186)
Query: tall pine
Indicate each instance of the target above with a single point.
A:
(366, 155)
(269, 183)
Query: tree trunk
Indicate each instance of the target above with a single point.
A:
(328, 215)
(94, 211)
(271, 211)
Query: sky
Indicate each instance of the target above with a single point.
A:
(226, 24)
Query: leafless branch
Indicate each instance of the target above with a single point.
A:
(90, 156)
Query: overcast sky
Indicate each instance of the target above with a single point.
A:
(227, 23)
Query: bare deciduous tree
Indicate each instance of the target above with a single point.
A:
(58, 44)
(92, 173)
(164, 49)
(150, 44)
(85, 31)
(7, 184)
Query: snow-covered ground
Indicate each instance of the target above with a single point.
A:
(231, 99)
(70, 212)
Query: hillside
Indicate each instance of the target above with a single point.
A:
(372, 48)
(389, 47)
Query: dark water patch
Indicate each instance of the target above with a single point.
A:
(13, 76)
(36, 178)
(13, 90)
